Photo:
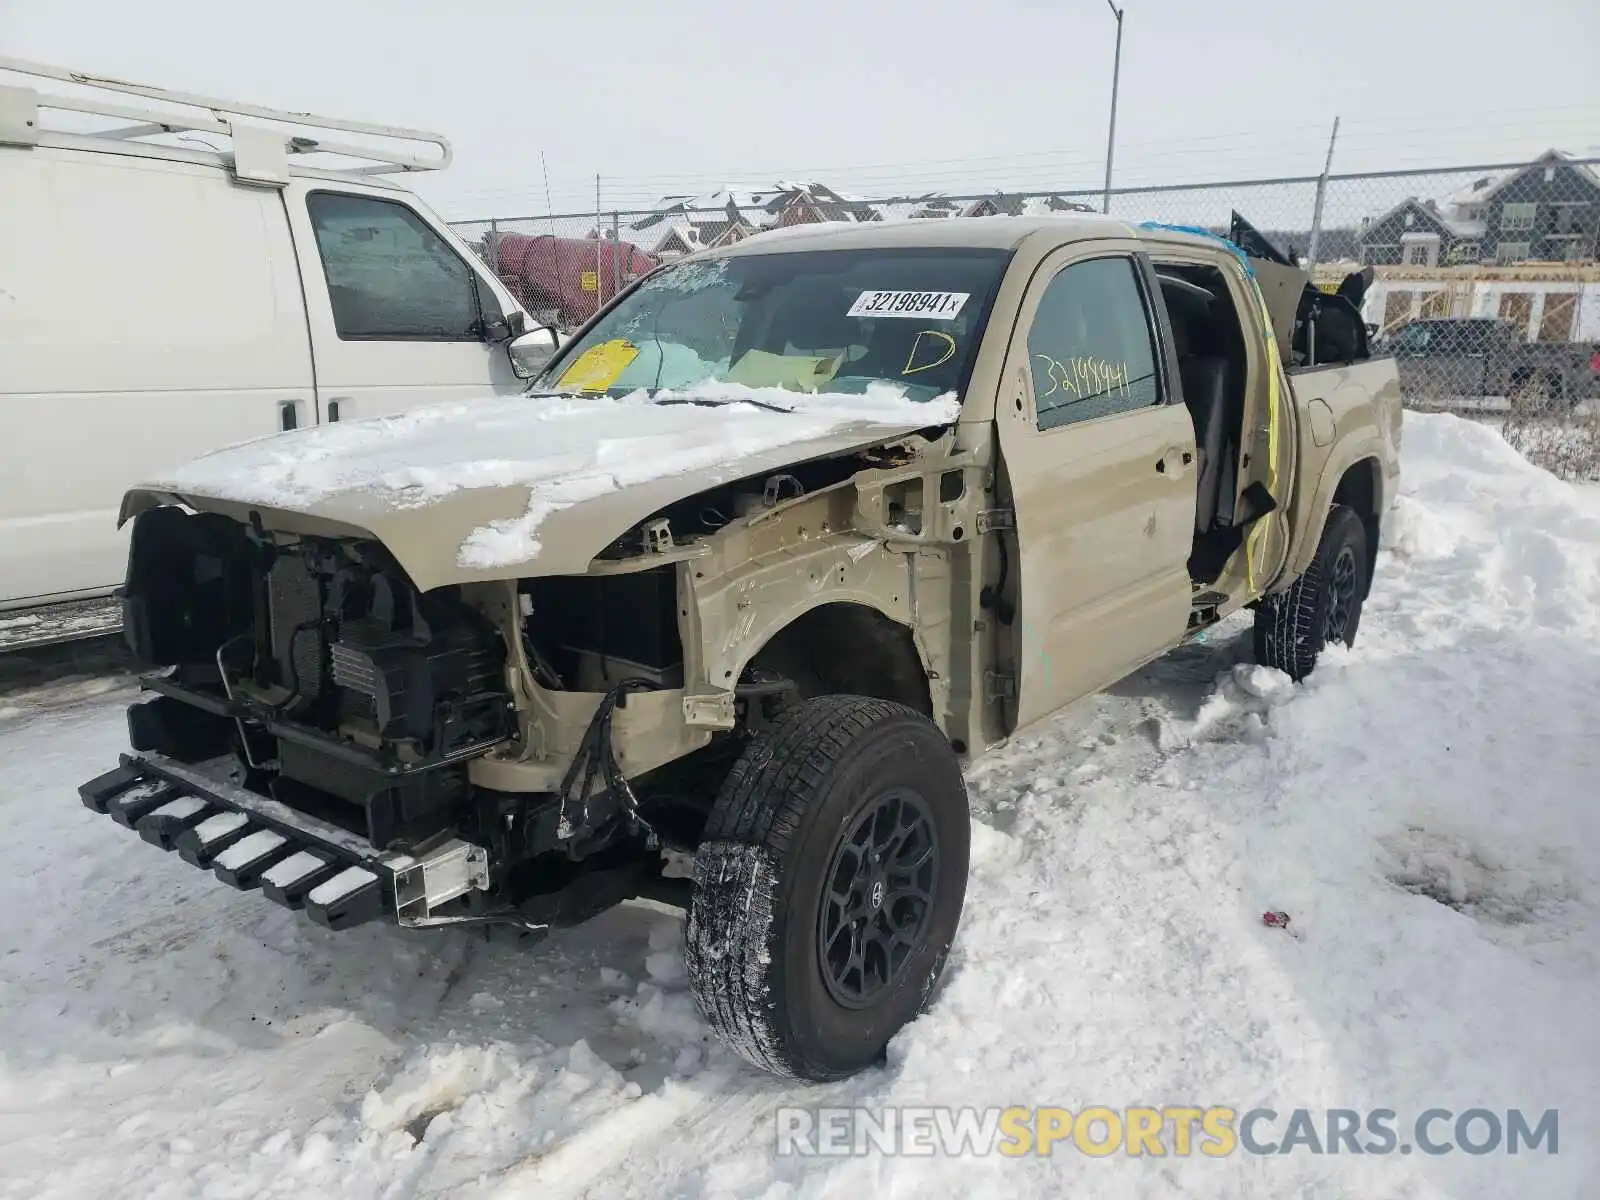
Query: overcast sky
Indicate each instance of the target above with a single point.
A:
(875, 96)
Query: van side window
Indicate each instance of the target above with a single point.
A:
(1090, 348)
(391, 277)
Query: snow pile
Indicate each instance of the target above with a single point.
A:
(1492, 543)
(1422, 807)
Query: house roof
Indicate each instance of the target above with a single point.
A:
(1422, 208)
(758, 206)
(830, 205)
(1447, 212)
(706, 216)
(930, 204)
(1475, 192)
(1038, 206)
(1480, 190)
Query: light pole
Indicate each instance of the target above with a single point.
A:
(1111, 137)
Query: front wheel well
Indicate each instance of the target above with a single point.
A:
(836, 649)
(1360, 489)
(846, 648)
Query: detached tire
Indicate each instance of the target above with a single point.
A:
(828, 886)
(1322, 606)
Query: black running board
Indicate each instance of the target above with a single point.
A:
(250, 841)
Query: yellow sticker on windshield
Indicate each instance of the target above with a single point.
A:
(598, 367)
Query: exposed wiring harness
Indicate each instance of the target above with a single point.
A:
(993, 597)
(597, 759)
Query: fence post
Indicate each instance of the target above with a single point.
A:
(1322, 193)
(494, 246)
(616, 253)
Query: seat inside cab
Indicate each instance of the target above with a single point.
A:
(1212, 370)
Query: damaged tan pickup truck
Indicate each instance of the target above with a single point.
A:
(715, 613)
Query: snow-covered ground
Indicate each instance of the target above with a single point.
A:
(1424, 808)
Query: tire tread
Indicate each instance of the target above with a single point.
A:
(758, 817)
(1288, 624)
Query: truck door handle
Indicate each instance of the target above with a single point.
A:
(288, 414)
(333, 408)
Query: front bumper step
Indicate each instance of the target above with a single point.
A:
(250, 841)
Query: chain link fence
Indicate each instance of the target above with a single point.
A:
(1485, 280)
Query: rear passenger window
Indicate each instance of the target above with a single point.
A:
(390, 276)
(1090, 345)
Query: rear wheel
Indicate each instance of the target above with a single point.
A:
(828, 886)
(1322, 606)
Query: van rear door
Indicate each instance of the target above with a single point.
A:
(150, 311)
(400, 312)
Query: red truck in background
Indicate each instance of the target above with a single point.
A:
(562, 281)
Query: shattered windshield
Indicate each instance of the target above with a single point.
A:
(810, 321)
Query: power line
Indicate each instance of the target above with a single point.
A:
(1010, 172)
(1064, 176)
(1499, 116)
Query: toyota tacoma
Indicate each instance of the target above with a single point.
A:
(717, 612)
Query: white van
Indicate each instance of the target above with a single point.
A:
(188, 279)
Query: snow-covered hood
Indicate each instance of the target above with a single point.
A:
(533, 485)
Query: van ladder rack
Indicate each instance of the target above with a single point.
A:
(256, 146)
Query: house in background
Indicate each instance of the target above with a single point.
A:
(1004, 204)
(930, 206)
(1543, 302)
(1415, 233)
(683, 233)
(681, 225)
(1521, 246)
(1547, 211)
(813, 203)
(935, 205)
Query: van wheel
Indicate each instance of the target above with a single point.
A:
(1322, 606)
(828, 886)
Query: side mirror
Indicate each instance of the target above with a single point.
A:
(531, 350)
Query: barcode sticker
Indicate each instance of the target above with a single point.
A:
(923, 305)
